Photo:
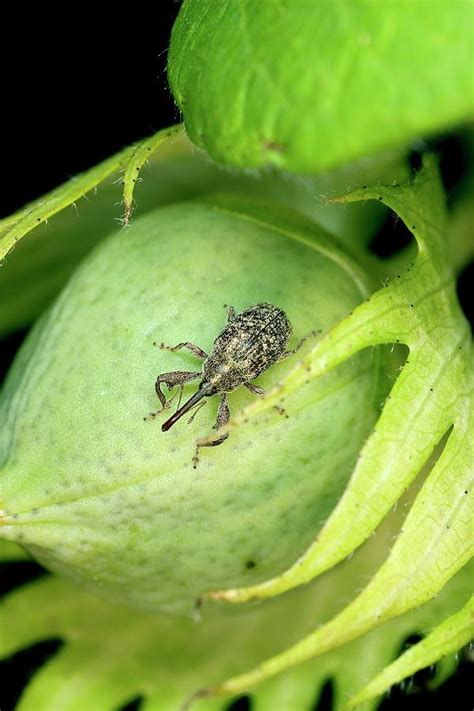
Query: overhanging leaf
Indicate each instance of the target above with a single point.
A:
(309, 87)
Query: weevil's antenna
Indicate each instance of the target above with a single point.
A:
(205, 389)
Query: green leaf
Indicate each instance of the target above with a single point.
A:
(308, 88)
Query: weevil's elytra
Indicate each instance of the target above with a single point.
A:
(250, 343)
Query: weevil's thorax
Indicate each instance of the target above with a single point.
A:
(249, 344)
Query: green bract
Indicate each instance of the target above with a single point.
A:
(431, 401)
(96, 492)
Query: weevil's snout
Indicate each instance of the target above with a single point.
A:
(205, 389)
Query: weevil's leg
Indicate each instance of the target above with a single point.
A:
(255, 389)
(286, 354)
(223, 416)
(175, 377)
(196, 410)
(155, 413)
(198, 352)
(230, 314)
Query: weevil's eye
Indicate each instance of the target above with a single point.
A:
(201, 385)
(210, 392)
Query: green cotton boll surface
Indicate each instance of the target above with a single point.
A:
(98, 493)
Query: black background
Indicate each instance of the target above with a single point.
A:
(77, 87)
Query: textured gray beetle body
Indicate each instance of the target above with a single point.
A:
(249, 344)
